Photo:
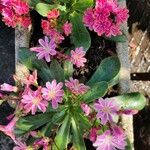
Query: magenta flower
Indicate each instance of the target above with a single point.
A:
(89, 18)
(93, 134)
(77, 57)
(106, 18)
(44, 142)
(110, 140)
(51, 32)
(8, 88)
(86, 109)
(20, 7)
(75, 87)
(53, 92)
(106, 108)
(33, 100)
(46, 49)
(67, 28)
(9, 129)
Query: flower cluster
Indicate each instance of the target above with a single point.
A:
(15, 12)
(50, 26)
(47, 50)
(106, 18)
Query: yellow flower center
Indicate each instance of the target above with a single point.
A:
(36, 101)
(52, 94)
(106, 110)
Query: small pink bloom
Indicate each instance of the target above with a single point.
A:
(46, 49)
(77, 57)
(55, 35)
(44, 142)
(25, 22)
(75, 87)
(121, 15)
(45, 24)
(31, 79)
(20, 7)
(110, 140)
(86, 109)
(9, 129)
(93, 134)
(8, 88)
(67, 28)
(106, 108)
(89, 18)
(53, 14)
(20, 145)
(33, 100)
(53, 92)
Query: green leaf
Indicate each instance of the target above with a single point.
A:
(96, 91)
(84, 123)
(78, 141)
(62, 137)
(133, 101)
(80, 37)
(45, 75)
(68, 69)
(33, 3)
(57, 71)
(43, 8)
(29, 123)
(120, 38)
(82, 5)
(56, 119)
(107, 71)
(30, 60)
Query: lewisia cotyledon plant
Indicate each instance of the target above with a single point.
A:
(54, 107)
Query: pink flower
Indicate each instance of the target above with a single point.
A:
(86, 109)
(106, 108)
(110, 140)
(121, 14)
(51, 32)
(9, 129)
(93, 134)
(33, 100)
(89, 18)
(67, 28)
(46, 49)
(53, 92)
(106, 18)
(53, 14)
(15, 12)
(55, 35)
(9, 17)
(44, 142)
(20, 7)
(31, 79)
(25, 21)
(75, 87)
(20, 145)
(77, 57)
(45, 24)
(8, 88)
